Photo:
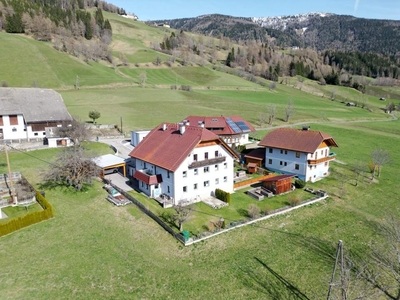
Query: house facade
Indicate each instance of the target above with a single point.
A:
(233, 130)
(304, 153)
(25, 113)
(184, 163)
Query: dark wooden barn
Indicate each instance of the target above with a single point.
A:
(279, 184)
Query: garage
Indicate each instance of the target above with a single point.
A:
(110, 164)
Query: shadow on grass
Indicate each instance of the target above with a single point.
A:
(52, 185)
(272, 284)
(243, 212)
(169, 219)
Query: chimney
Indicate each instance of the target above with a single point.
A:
(201, 124)
(182, 128)
(305, 128)
(164, 127)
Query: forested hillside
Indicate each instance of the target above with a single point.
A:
(68, 23)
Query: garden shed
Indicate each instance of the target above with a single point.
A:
(111, 163)
(255, 156)
(279, 184)
(252, 168)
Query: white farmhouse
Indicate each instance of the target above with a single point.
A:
(234, 130)
(183, 163)
(305, 153)
(25, 113)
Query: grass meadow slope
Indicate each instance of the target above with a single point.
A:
(94, 250)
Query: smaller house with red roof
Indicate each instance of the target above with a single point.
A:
(304, 153)
(183, 163)
(234, 130)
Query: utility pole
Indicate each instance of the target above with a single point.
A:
(122, 131)
(11, 187)
(339, 259)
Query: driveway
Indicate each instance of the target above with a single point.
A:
(120, 181)
(122, 146)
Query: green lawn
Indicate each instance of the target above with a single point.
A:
(93, 250)
(19, 211)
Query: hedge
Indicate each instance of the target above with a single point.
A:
(30, 218)
(222, 195)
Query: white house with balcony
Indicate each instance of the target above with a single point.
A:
(304, 153)
(25, 113)
(182, 163)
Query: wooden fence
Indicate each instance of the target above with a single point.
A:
(251, 181)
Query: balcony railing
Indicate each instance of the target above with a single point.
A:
(207, 162)
(321, 160)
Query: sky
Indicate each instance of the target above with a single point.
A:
(174, 9)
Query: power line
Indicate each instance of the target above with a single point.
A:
(45, 161)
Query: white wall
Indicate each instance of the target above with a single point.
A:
(11, 132)
(138, 136)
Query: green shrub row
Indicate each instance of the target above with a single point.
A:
(30, 218)
(222, 195)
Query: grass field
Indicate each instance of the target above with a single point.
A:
(94, 250)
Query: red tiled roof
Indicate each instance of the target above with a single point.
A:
(168, 148)
(218, 125)
(149, 179)
(297, 140)
(278, 178)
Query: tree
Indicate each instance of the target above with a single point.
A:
(289, 110)
(253, 211)
(94, 114)
(143, 78)
(73, 168)
(182, 213)
(358, 168)
(379, 158)
(77, 132)
(271, 108)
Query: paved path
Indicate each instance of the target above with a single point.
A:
(122, 146)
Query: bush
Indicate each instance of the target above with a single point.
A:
(299, 184)
(253, 211)
(222, 195)
(294, 200)
(186, 88)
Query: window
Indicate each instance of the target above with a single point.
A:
(142, 184)
(216, 167)
(168, 189)
(225, 165)
(156, 186)
(184, 174)
(206, 183)
(281, 163)
(326, 164)
(270, 150)
(326, 152)
(147, 186)
(34, 133)
(297, 167)
(195, 157)
(216, 180)
(196, 171)
(285, 164)
(13, 120)
(144, 165)
(322, 152)
(225, 179)
(206, 169)
(185, 189)
(206, 155)
(281, 151)
(216, 153)
(298, 154)
(195, 186)
(285, 151)
(270, 161)
(44, 133)
(168, 174)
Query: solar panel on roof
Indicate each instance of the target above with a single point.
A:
(233, 125)
(242, 125)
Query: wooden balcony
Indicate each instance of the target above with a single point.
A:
(207, 162)
(322, 159)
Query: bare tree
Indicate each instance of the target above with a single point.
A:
(253, 211)
(358, 168)
(182, 213)
(262, 118)
(123, 59)
(77, 132)
(143, 78)
(289, 110)
(379, 158)
(73, 167)
(271, 110)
